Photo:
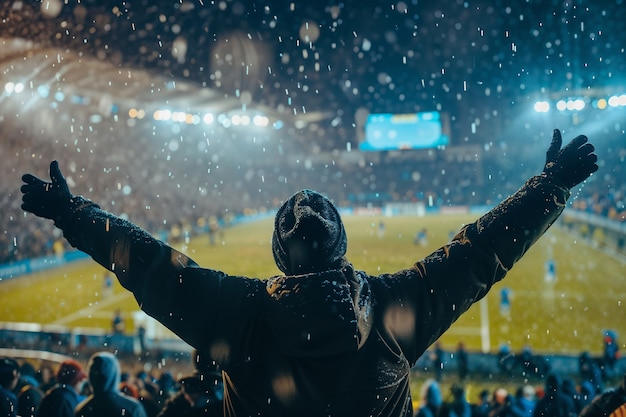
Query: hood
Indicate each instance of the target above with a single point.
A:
(553, 382)
(320, 314)
(104, 372)
(433, 396)
(308, 234)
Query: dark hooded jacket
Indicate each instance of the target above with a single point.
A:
(60, 401)
(337, 342)
(107, 400)
(555, 403)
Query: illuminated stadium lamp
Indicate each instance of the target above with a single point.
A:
(162, 115)
(260, 121)
(614, 101)
(561, 105)
(245, 120)
(542, 106)
(19, 87)
(189, 118)
(622, 98)
(178, 116)
(132, 113)
(59, 96)
(43, 91)
(141, 113)
(579, 104)
(602, 104)
(195, 119)
(235, 119)
(9, 87)
(208, 118)
(278, 124)
(570, 105)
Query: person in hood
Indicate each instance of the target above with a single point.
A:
(555, 402)
(107, 400)
(610, 403)
(432, 400)
(61, 400)
(324, 338)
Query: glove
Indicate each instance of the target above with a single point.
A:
(46, 199)
(572, 164)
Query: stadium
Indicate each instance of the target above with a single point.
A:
(196, 121)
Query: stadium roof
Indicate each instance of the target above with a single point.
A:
(92, 84)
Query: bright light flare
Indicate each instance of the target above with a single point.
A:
(542, 107)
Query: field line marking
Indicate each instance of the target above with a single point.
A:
(98, 305)
(484, 326)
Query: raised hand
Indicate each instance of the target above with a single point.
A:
(571, 165)
(45, 199)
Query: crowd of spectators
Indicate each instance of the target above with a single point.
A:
(164, 386)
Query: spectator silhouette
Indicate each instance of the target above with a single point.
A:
(9, 377)
(106, 399)
(609, 403)
(431, 401)
(555, 402)
(201, 394)
(61, 400)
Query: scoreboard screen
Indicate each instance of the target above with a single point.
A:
(387, 131)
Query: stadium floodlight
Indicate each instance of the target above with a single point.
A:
(208, 118)
(235, 120)
(9, 87)
(579, 104)
(260, 121)
(44, 91)
(19, 87)
(179, 116)
(622, 100)
(614, 101)
(162, 115)
(561, 105)
(542, 107)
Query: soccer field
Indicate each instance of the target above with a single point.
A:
(566, 316)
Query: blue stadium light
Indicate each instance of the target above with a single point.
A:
(44, 91)
(542, 107)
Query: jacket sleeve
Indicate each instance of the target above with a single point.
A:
(438, 289)
(167, 284)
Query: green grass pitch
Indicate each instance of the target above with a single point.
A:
(568, 316)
